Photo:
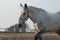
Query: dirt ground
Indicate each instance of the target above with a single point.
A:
(27, 36)
(50, 36)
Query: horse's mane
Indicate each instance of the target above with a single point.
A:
(38, 9)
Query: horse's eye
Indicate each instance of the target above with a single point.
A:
(23, 13)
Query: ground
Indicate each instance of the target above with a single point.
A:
(27, 36)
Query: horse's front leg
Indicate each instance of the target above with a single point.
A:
(38, 36)
(36, 27)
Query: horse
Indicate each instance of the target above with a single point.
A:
(43, 20)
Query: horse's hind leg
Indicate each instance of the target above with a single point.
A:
(38, 36)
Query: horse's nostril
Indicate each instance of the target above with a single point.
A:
(20, 25)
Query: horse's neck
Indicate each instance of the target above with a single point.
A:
(33, 13)
(36, 15)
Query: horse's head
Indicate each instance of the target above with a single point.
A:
(24, 14)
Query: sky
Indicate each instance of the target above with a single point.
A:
(9, 9)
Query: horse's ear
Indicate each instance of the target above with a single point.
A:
(21, 5)
(25, 6)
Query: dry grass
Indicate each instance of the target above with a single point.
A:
(17, 36)
(50, 36)
(28, 36)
